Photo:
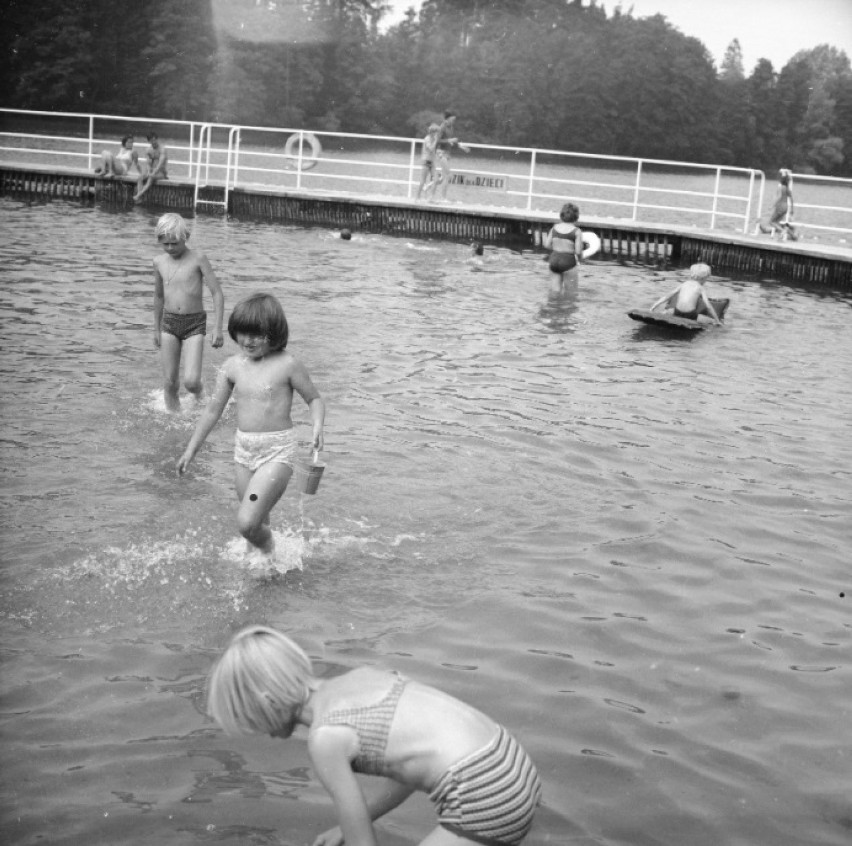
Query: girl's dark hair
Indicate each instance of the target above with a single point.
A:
(260, 314)
(569, 213)
(125, 139)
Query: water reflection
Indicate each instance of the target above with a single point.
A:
(558, 310)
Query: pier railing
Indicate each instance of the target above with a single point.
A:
(519, 178)
(490, 176)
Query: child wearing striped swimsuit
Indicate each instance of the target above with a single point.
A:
(413, 736)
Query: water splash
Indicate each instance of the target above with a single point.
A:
(290, 550)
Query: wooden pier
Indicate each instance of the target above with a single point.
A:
(623, 240)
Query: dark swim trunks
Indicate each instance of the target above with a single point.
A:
(562, 262)
(184, 326)
(688, 315)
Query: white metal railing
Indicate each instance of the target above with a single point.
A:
(532, 179)
(808, 178)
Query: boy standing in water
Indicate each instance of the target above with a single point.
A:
(690, 299)
(265, 376)
(179, 317)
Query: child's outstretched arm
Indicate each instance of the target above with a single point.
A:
(159, 302)
(329, 748)
(389, 795)
(302, 384)
(211, 415)
(665, 298)
(212, 283)
(710, 310)
(578, 244)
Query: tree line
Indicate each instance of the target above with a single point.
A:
(555, 74)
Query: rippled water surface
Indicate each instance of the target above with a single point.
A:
(630, 547)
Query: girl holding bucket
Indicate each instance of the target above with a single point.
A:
(265, 376)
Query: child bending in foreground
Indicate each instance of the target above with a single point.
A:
(689, 299)
(179, 317)
(265, 376)
(410, 736)
(565, 241)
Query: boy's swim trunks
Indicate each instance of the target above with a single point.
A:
(253, 449)
(688, 315)
(491, 795)
(184, 326)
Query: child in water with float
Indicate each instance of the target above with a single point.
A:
(690, 299)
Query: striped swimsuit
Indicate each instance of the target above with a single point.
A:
(372, 724)
(489, 796)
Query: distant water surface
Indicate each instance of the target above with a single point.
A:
(629, 546)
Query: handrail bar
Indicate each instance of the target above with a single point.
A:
(237, 167)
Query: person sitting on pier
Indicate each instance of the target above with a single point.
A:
(157, 162)
(119, 164)
(689, 299)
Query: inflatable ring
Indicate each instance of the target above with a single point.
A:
(591, 244)
(291, 150)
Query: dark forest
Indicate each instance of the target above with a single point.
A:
(555, 74)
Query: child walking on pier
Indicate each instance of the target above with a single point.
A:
(408, 735)
(179, 317)
(264, 376)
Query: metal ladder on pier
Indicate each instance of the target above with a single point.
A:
(203, 164)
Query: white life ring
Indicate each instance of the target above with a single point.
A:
(591, 244)
(291, 150)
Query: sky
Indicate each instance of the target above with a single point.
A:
(766, 29)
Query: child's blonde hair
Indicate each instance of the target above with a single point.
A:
(260, 682)
(172, 225)
(700, 272)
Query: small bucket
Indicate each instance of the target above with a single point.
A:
(312, 475)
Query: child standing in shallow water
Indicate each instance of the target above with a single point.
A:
(264, 376)
(410, 736)
(565, 242)
(179, 317)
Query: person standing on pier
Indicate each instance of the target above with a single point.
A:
(781, 220)
(446, 141)
(427, 160)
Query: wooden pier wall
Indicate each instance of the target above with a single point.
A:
(627, 241)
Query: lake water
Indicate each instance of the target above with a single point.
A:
(630, 547)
